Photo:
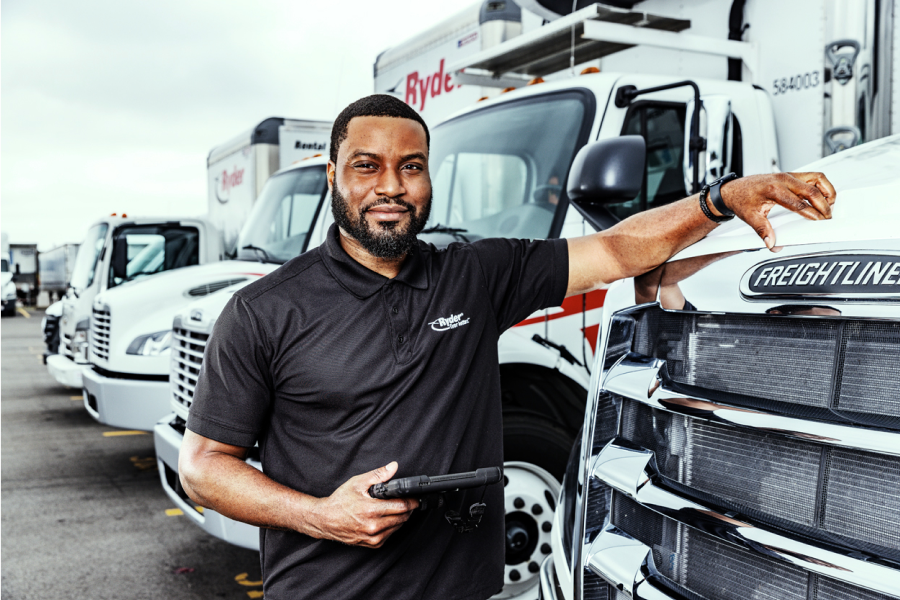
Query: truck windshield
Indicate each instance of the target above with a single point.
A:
(87, 257)
(156, 248)
(283, 216)
(499, 172)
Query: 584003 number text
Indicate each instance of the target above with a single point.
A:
(795, 83)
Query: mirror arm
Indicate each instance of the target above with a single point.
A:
(627, 93)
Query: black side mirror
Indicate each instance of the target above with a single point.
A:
(604, 173)
(120, 258)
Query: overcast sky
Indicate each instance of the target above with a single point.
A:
(112, 106)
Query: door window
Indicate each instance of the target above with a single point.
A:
(662, 127)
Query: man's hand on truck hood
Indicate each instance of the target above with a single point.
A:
(646, 240)
(809, 194)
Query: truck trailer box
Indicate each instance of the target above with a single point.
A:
(9, 288)
(56, 267)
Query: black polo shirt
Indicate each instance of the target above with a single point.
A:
(336, 370)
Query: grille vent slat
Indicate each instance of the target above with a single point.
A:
(188, 358)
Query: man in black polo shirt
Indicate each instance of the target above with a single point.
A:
(375, 356)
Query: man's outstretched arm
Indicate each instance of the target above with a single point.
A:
(215, 476)
(646, 240)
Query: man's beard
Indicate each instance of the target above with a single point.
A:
(384, 239)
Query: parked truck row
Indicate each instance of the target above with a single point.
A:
(693, 92)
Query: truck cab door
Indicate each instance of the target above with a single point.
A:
(659, 118)
(663, 120)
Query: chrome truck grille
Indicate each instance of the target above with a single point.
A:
(187, 357)
(100, 327)
(754, 457)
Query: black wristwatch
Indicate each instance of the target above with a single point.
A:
(712, 190)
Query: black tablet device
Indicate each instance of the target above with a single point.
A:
(423, 485)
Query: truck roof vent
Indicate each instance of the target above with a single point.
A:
(208, 288)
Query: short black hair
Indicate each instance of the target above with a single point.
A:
(376, 105)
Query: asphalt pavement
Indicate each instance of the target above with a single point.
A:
(83, 511)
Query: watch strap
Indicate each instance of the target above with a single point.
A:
(715, 195)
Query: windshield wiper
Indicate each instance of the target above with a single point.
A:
(265, 255)
(456, 232)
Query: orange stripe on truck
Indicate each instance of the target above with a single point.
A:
(571, 306)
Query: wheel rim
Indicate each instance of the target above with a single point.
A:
(530, 498)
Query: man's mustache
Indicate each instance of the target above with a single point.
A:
(385, 200)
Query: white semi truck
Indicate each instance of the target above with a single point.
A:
(117, 250)
(127, 384)
(500, 168)
(8, 287)
(236, 171)
(742, 431)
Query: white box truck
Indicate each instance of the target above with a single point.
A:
(117, 250)
(500, 167)
(127, 384)
(9, 288)
(238, 169)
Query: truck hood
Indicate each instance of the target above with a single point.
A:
(867, 182)
(144, 307)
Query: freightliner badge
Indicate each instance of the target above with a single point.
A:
(844, 275)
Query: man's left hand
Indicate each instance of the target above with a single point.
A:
(751, 198)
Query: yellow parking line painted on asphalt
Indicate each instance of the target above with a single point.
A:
(23, 312)
(118, 433)
(255, 594)
(242, 579)
(76, 397)
(174, 512)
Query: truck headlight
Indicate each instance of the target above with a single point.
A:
(151, 344)
(80, 341)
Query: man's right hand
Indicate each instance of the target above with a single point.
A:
(351, 516)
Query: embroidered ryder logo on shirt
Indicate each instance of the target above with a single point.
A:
(451, 322)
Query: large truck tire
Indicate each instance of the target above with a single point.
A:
(535, 453)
